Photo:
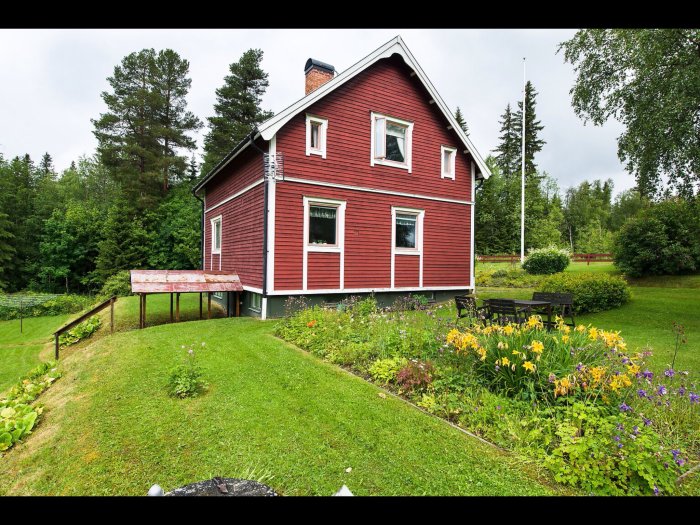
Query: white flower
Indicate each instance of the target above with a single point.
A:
(203, 343)
(183, 346)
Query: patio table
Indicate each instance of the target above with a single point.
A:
(529, 303)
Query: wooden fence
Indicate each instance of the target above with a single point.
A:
(75, 322)
(588, 258)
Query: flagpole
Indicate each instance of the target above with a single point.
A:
(522, 185)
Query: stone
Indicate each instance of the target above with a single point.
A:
(224, 487)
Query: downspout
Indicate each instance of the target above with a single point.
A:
(201, 231)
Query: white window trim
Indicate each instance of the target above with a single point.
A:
(338, 247)
(322, 138)
(418, 250)
(216, 219)
(445, 174)
(409, 142)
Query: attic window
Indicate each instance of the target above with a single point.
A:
(391, 141)
(449, 156)
(316, 129)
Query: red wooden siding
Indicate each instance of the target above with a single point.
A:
(368, 240)
(387, 88)
(243, 171)
(323, 270)
(241, 237)
(406, 270)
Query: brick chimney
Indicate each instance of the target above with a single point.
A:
(317, 73)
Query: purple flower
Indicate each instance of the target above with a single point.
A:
(681, 391)
(680, 462)
(642, 393)
(662, 390)
(665, 464)
(656, 490)
(498, 407)
(617, 438)
(620, 445)
(620, 426)
(497, 368)
(647, 375)
(579, 367)
(635, 430)
(670, 372)
(624, 407)
(675, 453)
(647, 422)
(625, 360)
(694, 398)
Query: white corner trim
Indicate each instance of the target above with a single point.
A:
(339, 246)
(408, 143)
(451, 171)
(471, 226)
(270, 217)
(417, 251)
(263, 309)
(212, 221)
(394, 46)
(323, 134)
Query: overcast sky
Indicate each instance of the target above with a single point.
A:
(52, 80)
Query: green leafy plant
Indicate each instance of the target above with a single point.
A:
(592, 292)
(547, 260)
(80, 332)
(415, 376)
(384, 371)
(186, 379)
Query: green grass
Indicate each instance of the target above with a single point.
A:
(109, 427)
(574, 267)
(647, 320)
(20, 351)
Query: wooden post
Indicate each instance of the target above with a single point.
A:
(171, 307)
(111, 315)
(145, 296)
(177, 307)
(208, 305)
(56, 347)
(140, 310)
(238, 304)
(200, 305)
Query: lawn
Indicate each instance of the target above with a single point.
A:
(272, 412)
(20, 351)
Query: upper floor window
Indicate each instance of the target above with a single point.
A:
(391, 141)
(216, 235)
(316, 129)
(449, 157)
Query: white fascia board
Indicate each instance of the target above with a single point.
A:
(396, 45)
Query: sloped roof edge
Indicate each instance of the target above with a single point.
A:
(396, 45)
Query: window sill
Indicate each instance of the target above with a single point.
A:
(382, 162)
(406, 251)
(318, 152)
(216, 253)
(446, 176)
(322, 248)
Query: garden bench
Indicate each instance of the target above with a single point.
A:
(468, 304)
(562, 303)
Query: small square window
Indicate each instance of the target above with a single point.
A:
(316, 129)
(322, 225)
(449, 156)
(391, 144)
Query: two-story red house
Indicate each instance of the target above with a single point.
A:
(364, 185)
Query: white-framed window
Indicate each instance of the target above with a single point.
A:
(216, 235)
(255, 301)
(449, 158)
(407, 231)
(324, 231)
(316, 132)
(391, 141)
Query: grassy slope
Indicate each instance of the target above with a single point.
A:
(19, 352)
(110, 429)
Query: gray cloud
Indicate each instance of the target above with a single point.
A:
(52, 81)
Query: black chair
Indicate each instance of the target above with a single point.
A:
(468, 304)
(562, 304)
(504, 311)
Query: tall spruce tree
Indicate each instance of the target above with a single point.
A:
(237, 108)
(533, 144)
(508, 150)
(146, 123)
(7, 249)
(460, 120)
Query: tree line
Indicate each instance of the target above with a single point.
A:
(129, 205)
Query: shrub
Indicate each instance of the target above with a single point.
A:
(186, 379)
(61, 304)
(508, 278)
(364, 307)
(384, 371)
(416, 375)
(663, 240)
(118, 284)
(409, 302)
(547, 260)
(592, 292)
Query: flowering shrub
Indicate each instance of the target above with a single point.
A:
(186, 379)
(416, 375)
(547, 260)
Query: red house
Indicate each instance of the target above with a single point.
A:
(366, 184)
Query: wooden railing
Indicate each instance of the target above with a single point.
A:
(588, 258)
(75, 322)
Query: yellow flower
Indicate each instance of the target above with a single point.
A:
(534, 322)
(508, 329)
(566, 329)
(529, 366)
(482, 353)
(633, 369)
(505, 361)
(515, 352)
(565, 338)
(537, 347)
(597, 373)
(580, 328)
(593, 334)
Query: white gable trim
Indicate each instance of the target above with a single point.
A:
(396, 45)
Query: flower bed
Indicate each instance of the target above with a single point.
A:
(569, 398)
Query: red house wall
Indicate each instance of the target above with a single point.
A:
(406, 270)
